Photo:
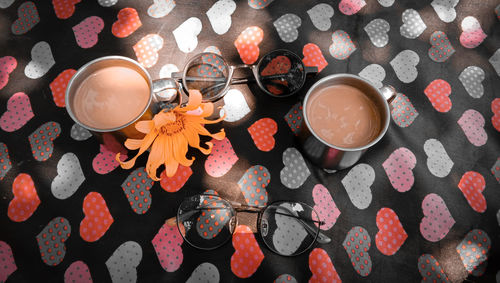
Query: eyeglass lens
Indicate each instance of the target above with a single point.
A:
(281, 73)
(207, 73)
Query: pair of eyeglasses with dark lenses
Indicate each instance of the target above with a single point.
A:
(280, 73)
(287, 228)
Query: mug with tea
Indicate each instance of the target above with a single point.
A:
(344, 115)
(110, 94)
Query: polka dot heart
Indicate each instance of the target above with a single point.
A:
(69, 176)
(438, 92)
(321, 15)
(403, 112)
(136, 188)
(51, 241)
(186, 34)
(472, 185)
(398, 168)
(25, 201)
(204, 273)
(221, 159)
(405, 65)
(42, 140)
(472, 33)
(495, 170)
(431, 270)
(253, 185)
(437, 220)
(495, 108)
(122, 264)
(86, 32)
(248, 42)
(7, 262)
(438, 160)
(472, 123)
(79, 133)
(161, 8)
(391, 235)
(342, 46)
(374, 73)
(107, 3)
(247, 256)
(262, 133)
(58, 86)
(325, 206)
(357, 184)
(445, 9)
(211, 220)
(64, 8)
(176, 182)
(351, 7)
(356, 244)
(287, 27)
(322, 268)
(289, 234)
(18, 113)
(259, 4)
(473, 249)
(5, 163)
(28, 18)
(105, 162)
(441, 48)
(7, 65)
(42, 61)
(472, 78)
(285, 278)
(167, 244)
(295, 172)
(77, 272)
(128, 22)
(377, 32)
(294, 118)
(413, 25)
(147, 49)
(313, 57)
(97, 217)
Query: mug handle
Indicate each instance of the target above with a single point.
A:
(165, 92)
(389, 93)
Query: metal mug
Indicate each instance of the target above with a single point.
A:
(328, 156)
(159, 93)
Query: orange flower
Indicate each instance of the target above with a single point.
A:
(169, 134)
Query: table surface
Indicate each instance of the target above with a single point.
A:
(437, 166)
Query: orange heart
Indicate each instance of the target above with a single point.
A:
(247, 256)
(58, 86)
(391, 235)
(438, 92)
(322, 267)
(472, 186)
(262, 133)
(25, 200)
(313, 57)
(247, 44)
(495, 107)
(147, 48)
(64, 8)
(176, 182)
(128, 22)
(97, 217)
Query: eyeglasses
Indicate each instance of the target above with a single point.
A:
(280, 73)
(287, 228)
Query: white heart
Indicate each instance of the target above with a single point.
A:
(471, 78)
(287, 25)
(357, 184)
(107, 3)
(204, 273)
(295, 172)
(69, 176)
(374, 73)
(161, 8)
(6, 3)
(445, 9)
(42, 61)
(386, 3)
(122, 264)
(284, 240)
(167, 70)
(320, 16)
(377, 32)
(220, 15)
(186, 34)
(404, 65)
(79, 133)
(495, 61)
(438, 161)
(235, 106)
(413, 25)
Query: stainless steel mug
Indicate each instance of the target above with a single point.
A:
(113, 138)
(331, 157)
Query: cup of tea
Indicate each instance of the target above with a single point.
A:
(110, 94)
(344, 115)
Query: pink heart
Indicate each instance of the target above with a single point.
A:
(472, 123)
(351, 7)
(167, 244)
(437, 220)
(221, 159)
(325, 207)
(18, 112)
(105, 161)
(398, 168)
(97, 218)
(25, 201)
(247, 256)
(391, 235)
(7, 65)
(79, 272)
(86, 32)
(7, 262)
(472, 33)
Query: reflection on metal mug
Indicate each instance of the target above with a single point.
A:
(112, 114)
(315, 146)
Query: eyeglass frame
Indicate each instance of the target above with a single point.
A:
(236, 207)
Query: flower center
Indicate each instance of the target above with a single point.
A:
(175, 127)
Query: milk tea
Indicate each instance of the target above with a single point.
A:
(343, 116)
(111, 97)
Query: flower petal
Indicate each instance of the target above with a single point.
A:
(180, 149)
(193, 102)
(146, 143)
(156, 157)
(133, 144)
(145, 126)
(170, 163)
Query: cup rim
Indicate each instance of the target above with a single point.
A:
(83, 68)
(377, 90)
